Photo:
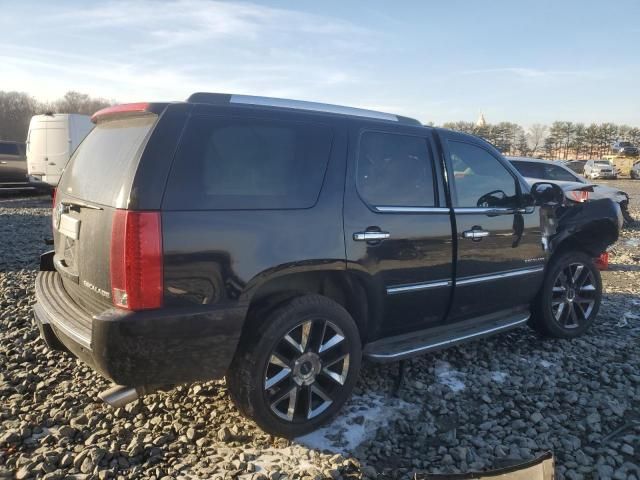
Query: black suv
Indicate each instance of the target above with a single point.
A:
(278, 243)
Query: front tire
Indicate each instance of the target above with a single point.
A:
(569, 300)
(294, 372)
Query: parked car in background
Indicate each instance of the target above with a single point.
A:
(635, 171)
(13, 166)
(625, 149)
(51, 140)
(276, 243)
(576, 165)
(599, 169)
(535, 170)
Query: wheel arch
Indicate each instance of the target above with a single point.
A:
(348, 289)
(592, 238)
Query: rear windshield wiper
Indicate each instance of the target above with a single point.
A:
(79, 204)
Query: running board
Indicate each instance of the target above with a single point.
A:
(412, 344)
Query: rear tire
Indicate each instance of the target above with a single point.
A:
(294, 371)
(569, 300)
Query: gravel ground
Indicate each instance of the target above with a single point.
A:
(482, 405)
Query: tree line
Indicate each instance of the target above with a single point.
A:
(17, 108)
(559, 141)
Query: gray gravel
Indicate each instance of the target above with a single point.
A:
(478, 406)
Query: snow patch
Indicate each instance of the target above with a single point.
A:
(358, 421)
(449, 377)
(499, 377)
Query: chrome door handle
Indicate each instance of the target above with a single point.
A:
(475, 234)
(370, 235)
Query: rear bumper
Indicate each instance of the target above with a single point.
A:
(155, 347)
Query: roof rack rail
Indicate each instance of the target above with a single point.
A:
(226, 99)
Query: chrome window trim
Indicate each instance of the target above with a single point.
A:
(418, 286)
(384, 209)
(447, 342)
(498, 276)
(312, 106)
(494, 211)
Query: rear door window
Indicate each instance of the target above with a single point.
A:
(233, 163)
(395, 170)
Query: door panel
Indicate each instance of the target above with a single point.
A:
(394, 187)
(36, 151)
(13, 167)
(500, 257)
(58, 144)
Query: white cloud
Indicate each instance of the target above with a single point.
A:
(535, 73)
(132, 49)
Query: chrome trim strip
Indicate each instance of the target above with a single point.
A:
(488, 211)
(412, 209)
(418, 286)
(313, 106)
(498, 276)
(70, 332)
(447, 342)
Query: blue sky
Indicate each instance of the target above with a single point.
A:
(527, 62)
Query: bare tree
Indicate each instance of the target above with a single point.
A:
(16, 109)
(536, 136)
(76, 102)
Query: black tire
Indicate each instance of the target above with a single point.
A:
(570, 312)
(256, 380)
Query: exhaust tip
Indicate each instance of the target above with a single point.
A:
(119, 395)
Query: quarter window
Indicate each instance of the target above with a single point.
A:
(245, 163)
(395, 170)
(480, 179)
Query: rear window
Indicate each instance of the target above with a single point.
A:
(233, 163)
(528, 169)
(102, 167)
(9, 149)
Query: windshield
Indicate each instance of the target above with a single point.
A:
(625, 144)
(603, 163)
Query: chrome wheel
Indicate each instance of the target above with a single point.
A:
(306, 370)
(573, 296)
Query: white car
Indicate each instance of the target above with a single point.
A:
(51, 140)
(536, 170)
(599, 169)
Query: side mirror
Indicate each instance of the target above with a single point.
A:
(547, 194)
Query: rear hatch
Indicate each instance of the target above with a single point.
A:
(95, 185)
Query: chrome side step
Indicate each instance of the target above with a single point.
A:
(409, 345)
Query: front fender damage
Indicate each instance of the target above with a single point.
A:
(591, 226)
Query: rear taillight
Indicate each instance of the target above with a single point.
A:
(136, 260)
(579, 196)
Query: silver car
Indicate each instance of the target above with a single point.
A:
(635, 171)
(599, 169)
(536, 170)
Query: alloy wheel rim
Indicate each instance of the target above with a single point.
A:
(573, 296)
(306, 370)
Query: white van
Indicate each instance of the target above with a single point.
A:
(51, 140)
